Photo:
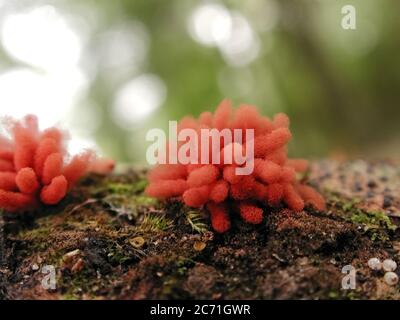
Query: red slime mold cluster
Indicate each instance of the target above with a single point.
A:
(35, 167)
(219, 188)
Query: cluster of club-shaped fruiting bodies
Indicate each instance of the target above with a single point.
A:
(220, 189)
(35, 166)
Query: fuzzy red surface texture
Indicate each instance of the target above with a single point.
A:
(218, 187)
(36, 168)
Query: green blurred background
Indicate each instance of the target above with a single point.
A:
(110, 70)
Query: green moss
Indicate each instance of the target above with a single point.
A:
(131, 205)
(154, 223)
(336, 200)
(375, 223)
(183, 264)
(353, 295)
(38, 238)
(195, 220)
(373, 220)
(119, 188)
(126, 188)
(145, 201)
(80, 282)
(72, 286)
(117, 255)
(334, 295)
(128, 197)
(35, 234)
(69, 296)
(172, 282)
(140, 185)
(55, 257)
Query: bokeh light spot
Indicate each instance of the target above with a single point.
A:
(138, 99)
(210, 24)
(42, 38)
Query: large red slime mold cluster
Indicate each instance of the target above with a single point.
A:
(218, 187)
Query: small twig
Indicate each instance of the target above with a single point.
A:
(88, 201)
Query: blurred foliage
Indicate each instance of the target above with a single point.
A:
(339, 87)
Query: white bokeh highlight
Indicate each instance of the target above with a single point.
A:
(137, 99)
(243, 46)
(41, 37)
(123, 45)
(212, 24)
(49, 96)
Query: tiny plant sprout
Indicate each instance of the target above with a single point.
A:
(375, 264)
(391, 278)
(389, 265)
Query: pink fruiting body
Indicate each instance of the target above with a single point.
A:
(220, 189)
(34, 167)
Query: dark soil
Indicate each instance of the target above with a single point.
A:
(109, 241)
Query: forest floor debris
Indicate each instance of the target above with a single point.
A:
(107, 240)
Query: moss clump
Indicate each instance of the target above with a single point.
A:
(73, 285)
(42, 232)
(375, 223)
(132, 206)
(195, 220)
(125, 199)
(126, 188)
(183, 264)
(334, 295)
(152, 223)
(117, 256)
(145, 201)
(38, 238)
(373, 220)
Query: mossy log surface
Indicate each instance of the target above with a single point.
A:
(107, 240)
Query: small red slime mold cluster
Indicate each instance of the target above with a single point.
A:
(34, 166)
(220, 189)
